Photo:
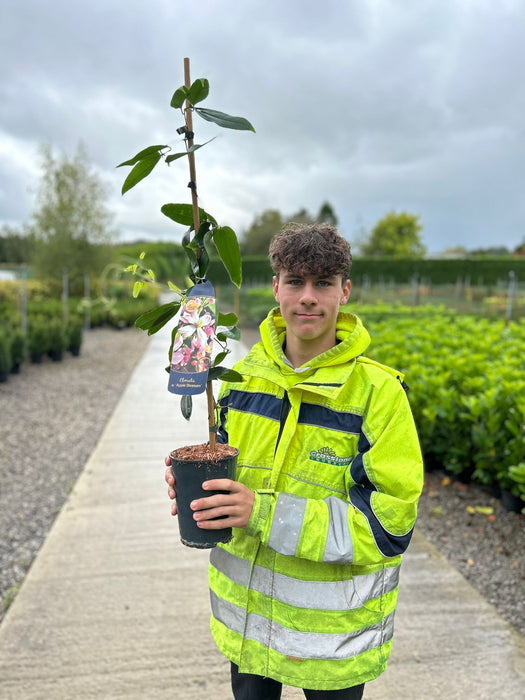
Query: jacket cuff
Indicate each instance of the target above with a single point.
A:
(260, 511)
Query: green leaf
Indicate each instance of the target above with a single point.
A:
(138, 287)
(197, 242)
(141, 170)
(175, 156)
(220, 357)
(203, 263)
(174, 288)
(225, 120)
(226, 242)
(179, 96)
(225, 374)
(198, 91)
(183, 214)
(186, 406)
(230, 319)
(142, 154)
(153, 320)
(170, 352)
(192, 149)
(230, 333)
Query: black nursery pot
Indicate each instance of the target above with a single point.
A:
(189, 477)
(511, 502)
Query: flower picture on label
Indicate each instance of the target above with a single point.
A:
(192, 345)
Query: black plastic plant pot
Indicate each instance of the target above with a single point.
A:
(511, 502)
(189, 475)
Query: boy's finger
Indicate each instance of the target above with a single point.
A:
(218, 485)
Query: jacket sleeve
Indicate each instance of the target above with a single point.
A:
(376, 520)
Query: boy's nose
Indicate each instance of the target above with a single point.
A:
(308, 296)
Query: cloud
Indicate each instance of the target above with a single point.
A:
(372, 105)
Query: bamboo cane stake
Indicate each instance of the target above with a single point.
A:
(196, 224)
(191, 156)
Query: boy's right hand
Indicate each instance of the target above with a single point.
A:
(170, 480)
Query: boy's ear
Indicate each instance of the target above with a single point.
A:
(275, 284)
(347, 288)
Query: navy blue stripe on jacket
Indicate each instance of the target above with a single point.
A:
(324, 417)
(388, 544)
(258, 403)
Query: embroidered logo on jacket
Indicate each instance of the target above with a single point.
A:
(326, 455)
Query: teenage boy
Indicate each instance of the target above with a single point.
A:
(329, 475)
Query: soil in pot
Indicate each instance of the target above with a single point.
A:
(191, 466)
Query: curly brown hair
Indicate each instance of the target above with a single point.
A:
(313, 249)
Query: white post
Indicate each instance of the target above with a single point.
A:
(65, 295)
(87, 308)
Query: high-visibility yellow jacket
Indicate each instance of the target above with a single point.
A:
(306, 593)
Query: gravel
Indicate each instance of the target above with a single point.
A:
(53, 414)
(480, 538)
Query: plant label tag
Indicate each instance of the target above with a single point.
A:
(193, 341)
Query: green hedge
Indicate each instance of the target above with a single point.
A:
(487, 271)
(479, 270)
(467, 390)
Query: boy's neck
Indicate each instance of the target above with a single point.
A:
(300, 353)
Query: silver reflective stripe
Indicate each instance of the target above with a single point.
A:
(339, 547)
(349, 594)
(303, 645)
(287, 524)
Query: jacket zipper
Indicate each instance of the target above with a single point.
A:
(285, 410)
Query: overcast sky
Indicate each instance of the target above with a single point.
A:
(373, 105)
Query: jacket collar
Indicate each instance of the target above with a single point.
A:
(324, 374)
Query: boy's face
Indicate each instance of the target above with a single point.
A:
(309, 305)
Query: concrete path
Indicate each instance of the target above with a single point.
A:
(115, 607)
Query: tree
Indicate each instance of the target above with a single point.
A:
(256, 240)
(327, 214)
(71, 222)
(491, 251)
(16, 245)
(396, 235)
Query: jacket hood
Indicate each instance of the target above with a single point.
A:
(352, 336)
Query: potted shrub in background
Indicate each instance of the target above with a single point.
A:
(37, 339)
(57, 339)
(517, 474)
(200, 326)
(74, 334)
(18, 349)
(5, 356)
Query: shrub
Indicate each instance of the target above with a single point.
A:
(465, 376)
(5, 353)
(57, 338)
(18, 347)
(38, 342)
(74, 332)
